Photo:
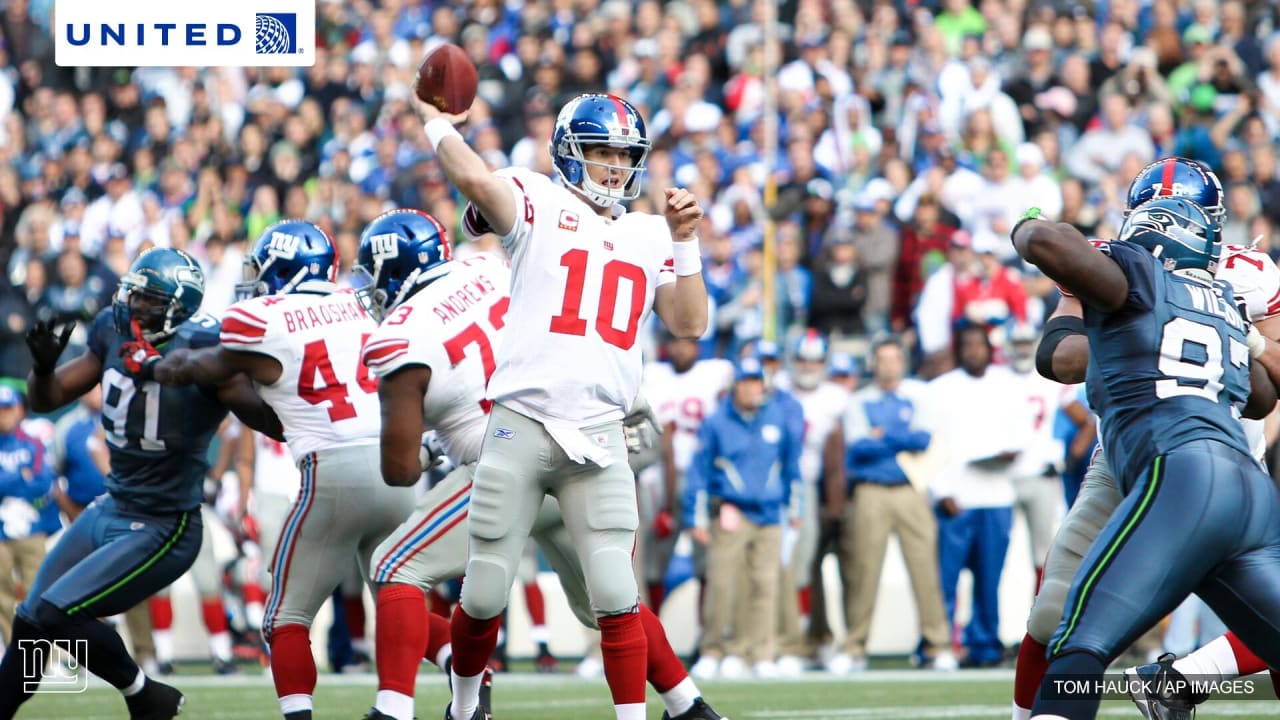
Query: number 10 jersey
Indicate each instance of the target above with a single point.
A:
(325, 396)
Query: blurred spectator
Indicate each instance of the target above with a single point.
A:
(79, 455)
(925, 244)
(28, 514)
(77, 290)
(839, 289)
(1100, 150)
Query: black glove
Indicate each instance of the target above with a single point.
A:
(46, 344)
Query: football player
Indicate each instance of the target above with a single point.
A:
(442, 322)
(146, 531)
(299, 338)
(585, 275)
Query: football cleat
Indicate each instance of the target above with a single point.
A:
(700, 711)
(224, 667)
(1159, 691)
(547, 662)
(157, 701)
(484, 711)
(376, 714)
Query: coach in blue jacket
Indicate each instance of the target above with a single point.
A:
(27, 512)
(743, 483)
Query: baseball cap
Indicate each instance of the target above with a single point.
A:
(768, 350)
(73, 196)
(842, 365)
(962, 238)
(1037, 38)
(117, 171)
(901, 37)
(9, 397)
(748, 368)
(1197, 34)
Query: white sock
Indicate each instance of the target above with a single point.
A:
(220, 646)
(1214, 661)
(294, 703)
(1049, 717)
(163, 640)
(442, 657)
(397, 705)
(137, 685)
(1021, 713)
(539, 634)
(466, 695)
(680, 698)
(360, 645)
(629, 711)
(254, 613)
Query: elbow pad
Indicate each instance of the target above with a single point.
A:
(1055, 331)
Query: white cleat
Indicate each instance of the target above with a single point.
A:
(733, 668)
(765, 670)
(590, 667)
(844, 664)
(944, 661)
(707, 668)
(791, 666)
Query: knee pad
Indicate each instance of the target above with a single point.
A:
(490, 518)
(484, 594)
(610, 580)
(1046, 611)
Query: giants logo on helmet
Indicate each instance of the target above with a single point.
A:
(283, 245)
(1175, 189)
(384, 246)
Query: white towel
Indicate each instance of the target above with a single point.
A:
(577, 445)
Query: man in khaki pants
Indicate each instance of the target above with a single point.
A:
(744, 482)
(879, 424)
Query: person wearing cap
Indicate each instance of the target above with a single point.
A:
(879, 424)
(842, 369)
(28, 514)
(934, 313)
(840, 285)
(742, 486)
(1101, 150)
(1198, 42)
(118, 210)
(1037, 75)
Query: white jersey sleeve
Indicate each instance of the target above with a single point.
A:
(325, 397)
(453, 326)
(1254, 278)
(517, 180)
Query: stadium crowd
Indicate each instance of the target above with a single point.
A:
(912, 135)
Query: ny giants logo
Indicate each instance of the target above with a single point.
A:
(283, 245)
(384, 246)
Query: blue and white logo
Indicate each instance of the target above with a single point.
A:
(276, 34)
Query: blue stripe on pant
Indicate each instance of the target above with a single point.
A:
(111, 559)
(976, 539)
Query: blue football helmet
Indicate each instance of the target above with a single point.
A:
(401, 251)
(1179, 177)
(162, 289)
(287, 254)
(1178, 232)
(810, 347)
(598, 119)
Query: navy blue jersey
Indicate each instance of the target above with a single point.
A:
(1170, 366)
(158, 437)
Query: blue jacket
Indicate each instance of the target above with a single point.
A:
(25, 475)
(874, 460)
(753, 464)
(84, 481)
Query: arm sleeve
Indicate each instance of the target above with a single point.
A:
(698, 478)
(244, 327)
(857, 425)
(791, 465)
(522, 184)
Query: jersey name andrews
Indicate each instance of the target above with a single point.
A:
(1210, 301)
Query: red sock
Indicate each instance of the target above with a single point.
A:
(623, 645)
(293, 668)
(161, 612)
(804, 598)
(1039, 580)
(353, 607)
(665, 669)
(1246, 662)
(473, 642)
(1029, 672)
(439, 604)
(437, 638)
(401, 633)
(215, 616)
(253, 593)
(657, 593)
(537, 607)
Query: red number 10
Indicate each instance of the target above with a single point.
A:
(570, 320)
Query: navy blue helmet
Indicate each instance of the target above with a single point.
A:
(1178, 232)
(286, 255)
(162, 289)
(400, 252)
(598, 119)
(1179, 177)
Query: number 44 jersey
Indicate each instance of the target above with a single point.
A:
(1169, 367)
(452, 326)
(325, 397)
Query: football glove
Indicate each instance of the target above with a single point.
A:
(140, 356)
(46, 343)
(640, 427)
(432, 453)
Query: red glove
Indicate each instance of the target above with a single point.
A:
(139, 356)
(663, 525)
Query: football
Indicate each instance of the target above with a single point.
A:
(447, 79)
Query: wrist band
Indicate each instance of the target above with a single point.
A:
(687, 257)
(437, 129)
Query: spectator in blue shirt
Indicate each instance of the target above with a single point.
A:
(80, 455)
(27, 513)
(743, 483)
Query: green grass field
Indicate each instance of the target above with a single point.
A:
(887, 695)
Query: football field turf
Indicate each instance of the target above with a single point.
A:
(891, 695)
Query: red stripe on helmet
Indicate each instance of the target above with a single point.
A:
(1166, 177)
(622, 111)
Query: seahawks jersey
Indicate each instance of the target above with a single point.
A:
(1169, 367)
(158, 437)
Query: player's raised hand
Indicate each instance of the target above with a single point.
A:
(46, 343)
(683, 213)
(139, 355)
(427, 112)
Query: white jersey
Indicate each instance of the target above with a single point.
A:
(1040, 450)
(686, 399)
(581, 286)
(823, 408)
(1255, 279)
(325, 397)
(453, 326)
(274, 472)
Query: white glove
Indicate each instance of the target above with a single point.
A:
(431, 454)
(1257, 342)
(640, 427)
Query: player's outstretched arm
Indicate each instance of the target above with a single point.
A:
(1262, 393)
(682, 305)
(401, 394)
(1063, 354)
(238, 396)
(50, 386)
(213, 366)
(1067, 257)
(466, 169)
